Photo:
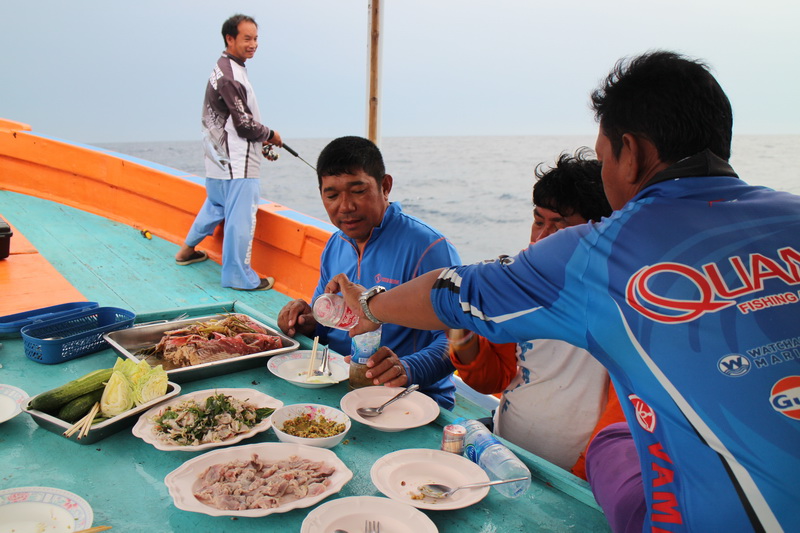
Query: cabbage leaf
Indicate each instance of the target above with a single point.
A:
(150, 385)
(132, 370)
(117, 396)
(132, 384)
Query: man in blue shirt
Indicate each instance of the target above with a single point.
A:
(377, 243)
(687, 293)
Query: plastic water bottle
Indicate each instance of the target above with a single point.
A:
(363, 346)
(330, 310)
(361, 349)
(483, 448)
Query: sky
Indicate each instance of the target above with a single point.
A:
(100, 71)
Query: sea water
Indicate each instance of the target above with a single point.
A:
(477, 191)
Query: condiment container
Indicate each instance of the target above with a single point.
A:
(361, 349)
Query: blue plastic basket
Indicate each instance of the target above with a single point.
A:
(10, 325)
(59, 340)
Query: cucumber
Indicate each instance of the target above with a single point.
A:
(52, 400)
(77, 408)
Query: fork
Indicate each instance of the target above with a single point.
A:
(372, 526)
(179, 317)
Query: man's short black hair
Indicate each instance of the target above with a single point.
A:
(572, 186)
(670, 100)
(349, 155)
(231, 26)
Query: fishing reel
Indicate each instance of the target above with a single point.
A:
(269, 153)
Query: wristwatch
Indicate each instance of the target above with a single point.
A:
(364, 301)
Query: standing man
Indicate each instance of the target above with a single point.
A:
(377, 243)
(688, 294)
(233, 137)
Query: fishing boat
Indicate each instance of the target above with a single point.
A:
(88, 228)
(89, 225)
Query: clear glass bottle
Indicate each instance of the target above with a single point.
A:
(483, 448)
(331, 310)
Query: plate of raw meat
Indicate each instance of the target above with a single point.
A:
(257, 479)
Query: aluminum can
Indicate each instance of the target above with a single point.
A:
(453, 438)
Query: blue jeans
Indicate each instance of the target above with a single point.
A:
(236, 202)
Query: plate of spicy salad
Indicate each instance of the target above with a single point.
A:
(206, 419)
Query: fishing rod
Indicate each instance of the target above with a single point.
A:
(272, 155)
(285, 147)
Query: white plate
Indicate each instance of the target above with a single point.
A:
(416, 409)
(43, 509)
(144, 426)
(180, 482)
(293, 367)
(11, 400)
(349, 514)
(399, 475)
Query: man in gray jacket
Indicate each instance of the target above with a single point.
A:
(233, 140)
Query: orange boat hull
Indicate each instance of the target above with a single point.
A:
(287, 244)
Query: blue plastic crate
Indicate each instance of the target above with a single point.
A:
(10, 325)
(59, 340)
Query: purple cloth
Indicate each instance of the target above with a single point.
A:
(615, 475)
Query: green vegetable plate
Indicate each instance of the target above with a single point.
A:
(106, 427)
(219, 417)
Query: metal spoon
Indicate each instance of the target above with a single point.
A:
(375, 411)
(324, 367)
(435, 490)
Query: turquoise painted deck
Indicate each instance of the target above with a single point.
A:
(122, 477)
(113, 264)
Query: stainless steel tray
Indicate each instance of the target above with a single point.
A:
(127, 342)
(104, 428)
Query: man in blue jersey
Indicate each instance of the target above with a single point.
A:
(688, 294)
(233, 139)
(379, 244)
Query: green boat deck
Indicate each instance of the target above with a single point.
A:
(122, 477)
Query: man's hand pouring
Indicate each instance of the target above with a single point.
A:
(351, 292)
(408, 304)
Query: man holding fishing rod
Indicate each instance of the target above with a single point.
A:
(687, 293)
(233, 137)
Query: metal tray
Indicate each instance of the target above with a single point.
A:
(126, 342)
(103, 429)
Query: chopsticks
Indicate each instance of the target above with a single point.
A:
(96, 529)
(313, 358)
(84, 424)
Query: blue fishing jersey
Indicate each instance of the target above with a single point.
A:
(400, 249)
(689, 296)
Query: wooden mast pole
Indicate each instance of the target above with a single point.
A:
(374, 74)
